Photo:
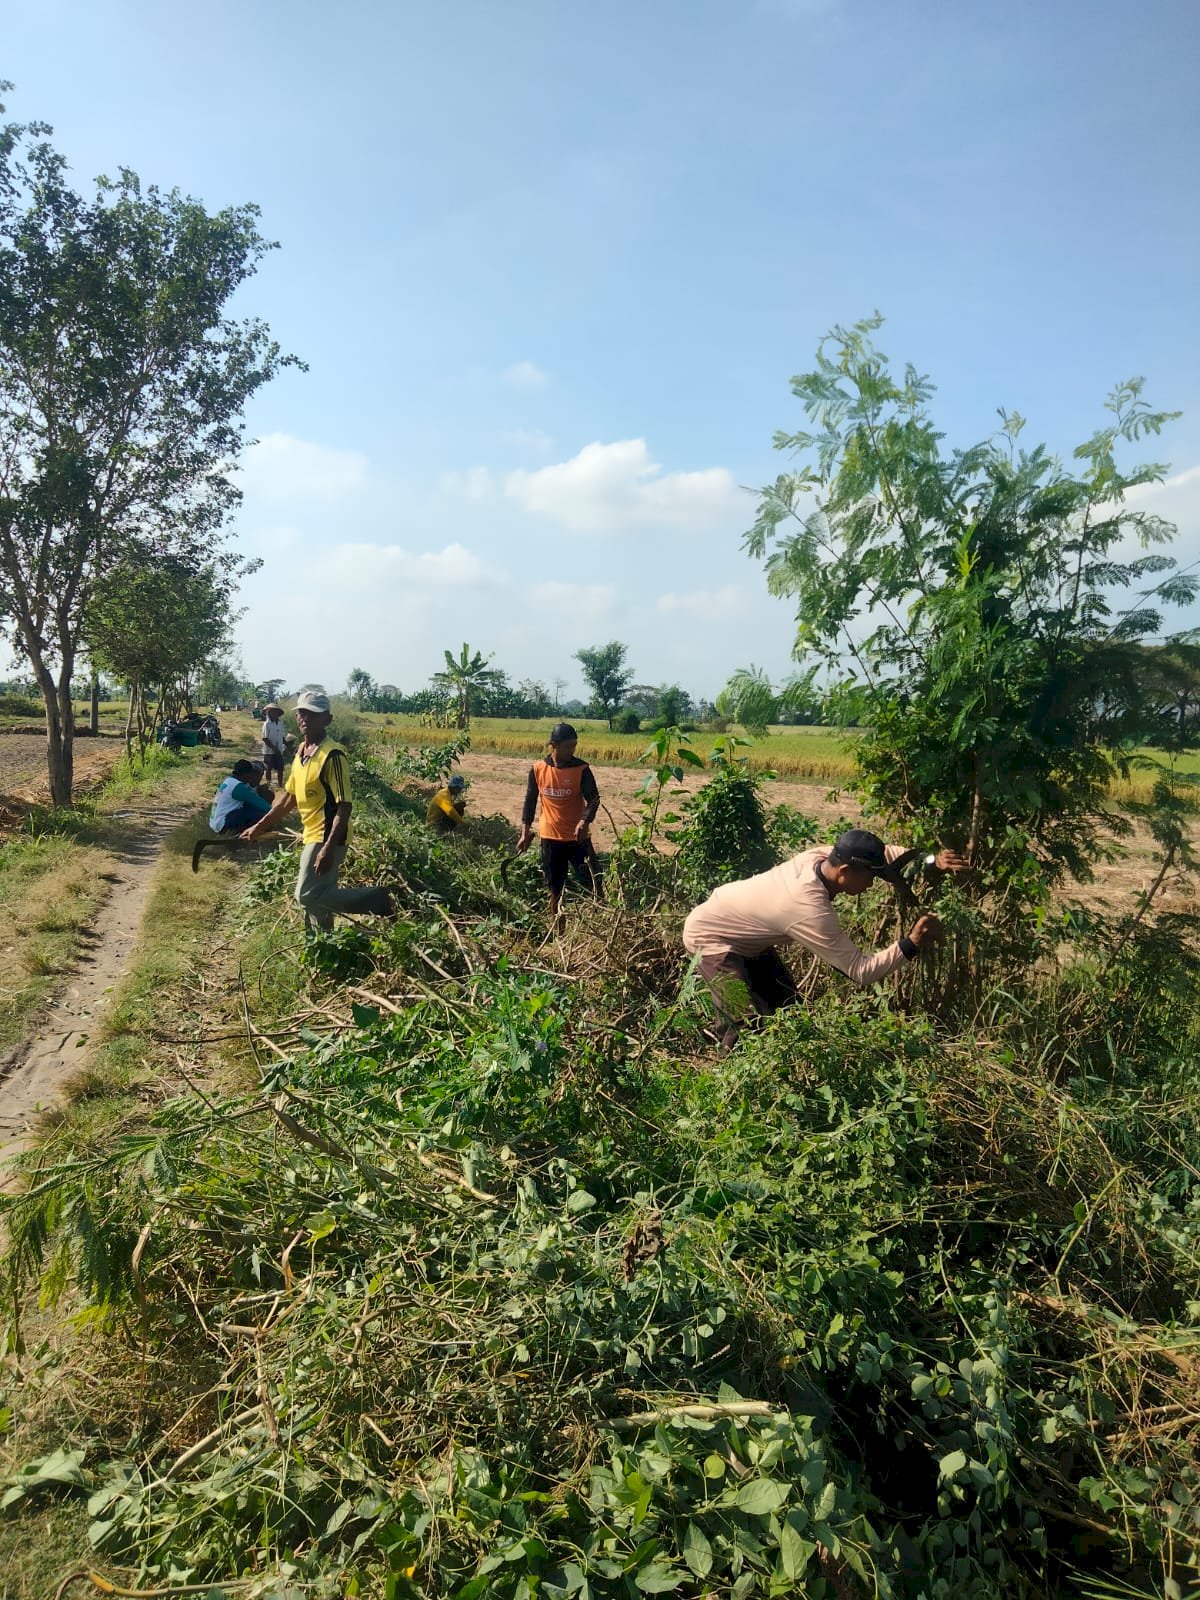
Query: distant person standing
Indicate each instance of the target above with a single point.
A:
(272, 741)
(566, 791)
(318, 782)
(446, 807)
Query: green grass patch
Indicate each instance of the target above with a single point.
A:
(50, 888)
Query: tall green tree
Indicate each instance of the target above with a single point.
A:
(985, 599)
(466, 676)
(153, 621)
(222, 681)
(362, 689)
(606, 675)
(750, 699)
(122, 387)
(673, 705)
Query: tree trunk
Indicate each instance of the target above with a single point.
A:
(60, 731)
(94, 722)
(129, 723)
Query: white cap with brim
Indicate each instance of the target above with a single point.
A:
(313, 700)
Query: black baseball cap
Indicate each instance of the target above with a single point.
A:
(858, 848)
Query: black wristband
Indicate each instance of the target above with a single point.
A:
(907, 948)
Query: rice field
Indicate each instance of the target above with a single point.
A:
(817, 755)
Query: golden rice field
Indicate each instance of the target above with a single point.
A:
(818, 755)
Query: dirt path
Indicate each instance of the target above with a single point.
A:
(33, 1075)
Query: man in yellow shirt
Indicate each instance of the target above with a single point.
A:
(318, 783)
(445, 809)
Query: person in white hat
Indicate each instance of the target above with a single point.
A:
(271, 739)
(318, 783)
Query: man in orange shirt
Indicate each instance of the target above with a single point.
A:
(569, 798)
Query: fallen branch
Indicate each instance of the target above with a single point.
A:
(698, 1413)
(106, 1586)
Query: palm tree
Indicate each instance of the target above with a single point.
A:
(465, 675)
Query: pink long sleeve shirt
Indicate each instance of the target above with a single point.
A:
(790, 904)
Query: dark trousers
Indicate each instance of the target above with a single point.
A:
(242, 817)
(744, 987)
(559, 856)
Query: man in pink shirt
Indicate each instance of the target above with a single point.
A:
(736, 931)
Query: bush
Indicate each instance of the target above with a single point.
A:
(725, 836)
(627, 721)
(20, 705)
(790, 831)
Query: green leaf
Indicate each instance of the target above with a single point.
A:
(952, 1463)
(760, 1497)
(714, 1467)
(697, 1551)
(579, 1200)
(364, 1016)
(658, 1578)
(825, 1503)
(60, 1469)
(795, 1551)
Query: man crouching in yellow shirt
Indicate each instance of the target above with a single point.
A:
(445, 810)
(318, 782)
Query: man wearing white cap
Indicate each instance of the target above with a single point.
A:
(318, 782)
(271, 739)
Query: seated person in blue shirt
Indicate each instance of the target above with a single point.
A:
(238, 804)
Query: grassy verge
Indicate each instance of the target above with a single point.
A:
(184, 984)
(183, 980)
(50, 888)
(52, 882)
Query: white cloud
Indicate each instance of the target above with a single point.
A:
(1176, 500)
(705, 605)
(1176, 482)
(282, 468)
(582, 602)
(607, 488)
(377, 568)
(475, 483)
(1182, 489)
(535, 440)
(526, 375)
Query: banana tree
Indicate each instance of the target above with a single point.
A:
(466, 674)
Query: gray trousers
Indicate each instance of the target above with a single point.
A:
(320, 896)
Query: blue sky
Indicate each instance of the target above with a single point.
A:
(552, 266)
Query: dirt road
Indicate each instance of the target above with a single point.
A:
(32, 1076)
